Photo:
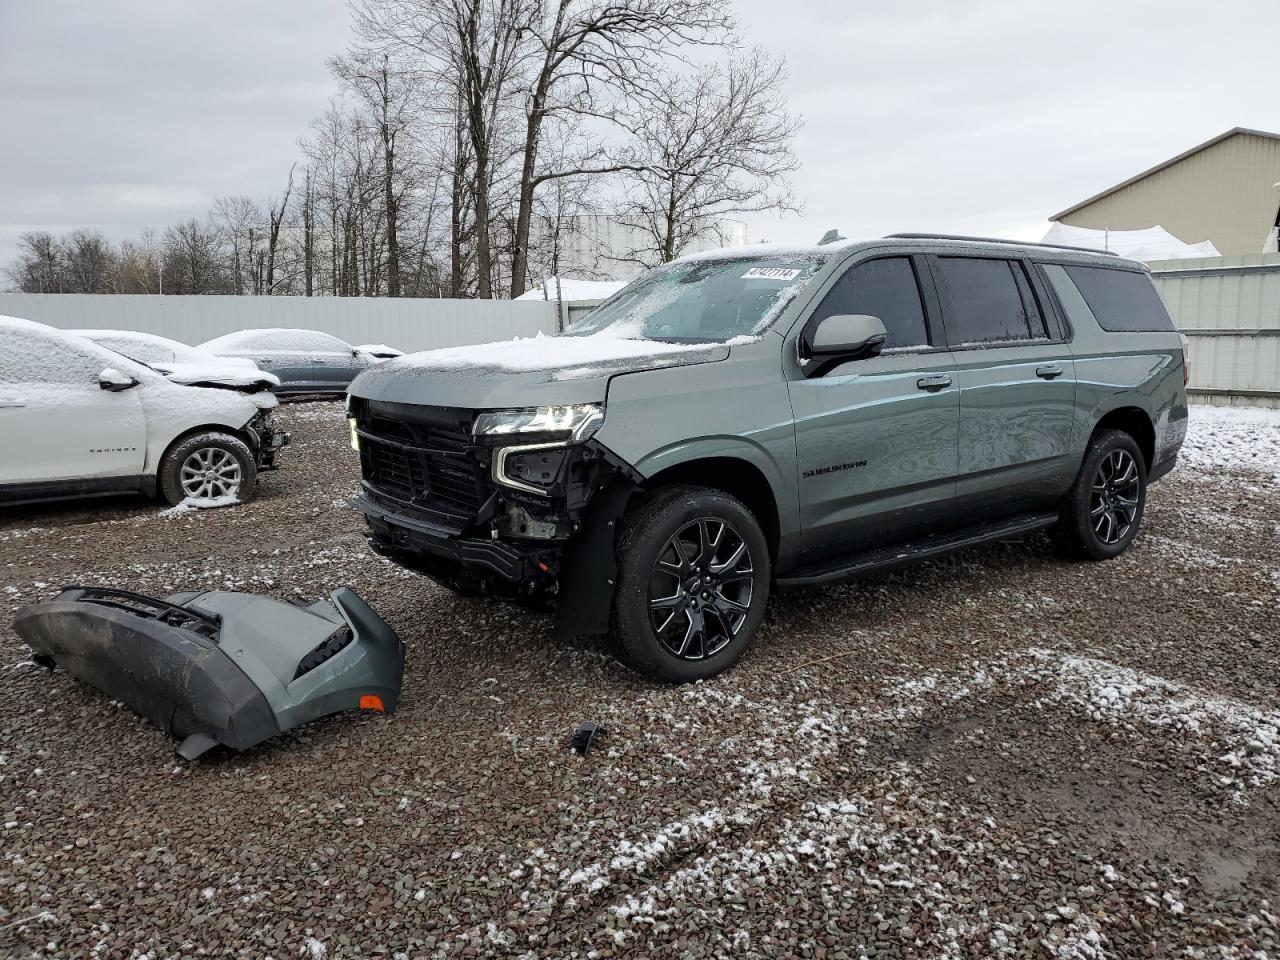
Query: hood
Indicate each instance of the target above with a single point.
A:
(535, 371)
(379, 351)
(231, 376)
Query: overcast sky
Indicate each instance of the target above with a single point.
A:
(958, 116)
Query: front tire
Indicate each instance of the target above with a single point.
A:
(693, 581)
(1104, 507)
(208, 466)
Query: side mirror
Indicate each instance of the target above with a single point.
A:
(847, 336)
(115, 381)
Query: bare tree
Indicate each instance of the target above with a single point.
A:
(239, 223)
(39, 266)
(390, 91)
(469, 50)
(192, 262)
(89, 261)
(275, 219)
(713, 144)
(138, 265)
(307, 214)
(582, 54)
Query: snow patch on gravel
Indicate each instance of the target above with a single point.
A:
(1241, 742)
(1233, 438)
(190, 504)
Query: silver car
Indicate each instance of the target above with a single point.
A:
(306, 361)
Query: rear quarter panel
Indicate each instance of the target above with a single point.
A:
(1143, 370)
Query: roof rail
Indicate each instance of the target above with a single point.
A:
(1020, 243)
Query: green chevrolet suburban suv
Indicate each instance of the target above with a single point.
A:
(762, 418)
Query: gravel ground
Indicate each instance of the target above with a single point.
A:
(994, 754)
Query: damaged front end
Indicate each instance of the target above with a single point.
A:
(517, 503)
(220, 667)
(268, 440)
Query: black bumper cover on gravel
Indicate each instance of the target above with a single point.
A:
(174, 677)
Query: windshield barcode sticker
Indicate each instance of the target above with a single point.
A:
(770, 273)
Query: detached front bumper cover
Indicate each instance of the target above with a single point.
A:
(219, 667)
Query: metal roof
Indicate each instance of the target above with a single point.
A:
(1168, 163)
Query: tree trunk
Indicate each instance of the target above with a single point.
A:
(309, 237)
(388, 183)
(524, 211)
(669, 241)
(484, 255)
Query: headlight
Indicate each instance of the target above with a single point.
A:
(355, 434)
(575, 422)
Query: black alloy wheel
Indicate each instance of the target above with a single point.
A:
(1113, 499)
(700, 589)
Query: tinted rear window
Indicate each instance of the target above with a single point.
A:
(987, 301)
(1121, 300)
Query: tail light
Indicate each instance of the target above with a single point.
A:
(1186, 360)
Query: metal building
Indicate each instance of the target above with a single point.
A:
(602, 247)
(1226, 190)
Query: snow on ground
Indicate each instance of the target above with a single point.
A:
(1245, 740)
(189, 504)
(1233, 438)
(892, 840)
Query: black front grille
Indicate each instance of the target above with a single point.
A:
(428, 467)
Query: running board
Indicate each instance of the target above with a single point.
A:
(934, 545)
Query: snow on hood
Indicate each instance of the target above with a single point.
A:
(525, 354)
(254, 384)
(226, 375)
(379, 350)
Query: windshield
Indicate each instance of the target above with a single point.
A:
(127, 356)
(702, 300)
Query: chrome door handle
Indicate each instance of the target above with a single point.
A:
(934, 383)
(1049, 371)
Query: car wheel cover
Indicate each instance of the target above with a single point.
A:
(210, 472)
(700, 589)
(1114, 497)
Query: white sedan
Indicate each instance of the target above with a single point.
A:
(78, 419)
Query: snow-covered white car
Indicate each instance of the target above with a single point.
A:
(380, 351)
(181, 363)
(306, 361)
(78, 419)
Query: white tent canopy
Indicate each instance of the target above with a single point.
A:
(1152, 243)
(572, 291)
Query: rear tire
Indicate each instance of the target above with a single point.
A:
(1104, 507)
(693, 581)
(219, 464)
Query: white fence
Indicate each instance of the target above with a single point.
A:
(408, 324)
(1229, 308)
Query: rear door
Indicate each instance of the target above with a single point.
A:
(334, 362)
(56, 422)
(1016, 375)
(287, 354)
(876, 439)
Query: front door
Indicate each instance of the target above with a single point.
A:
(56, 422)
(1017, 383)
(876, 439)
